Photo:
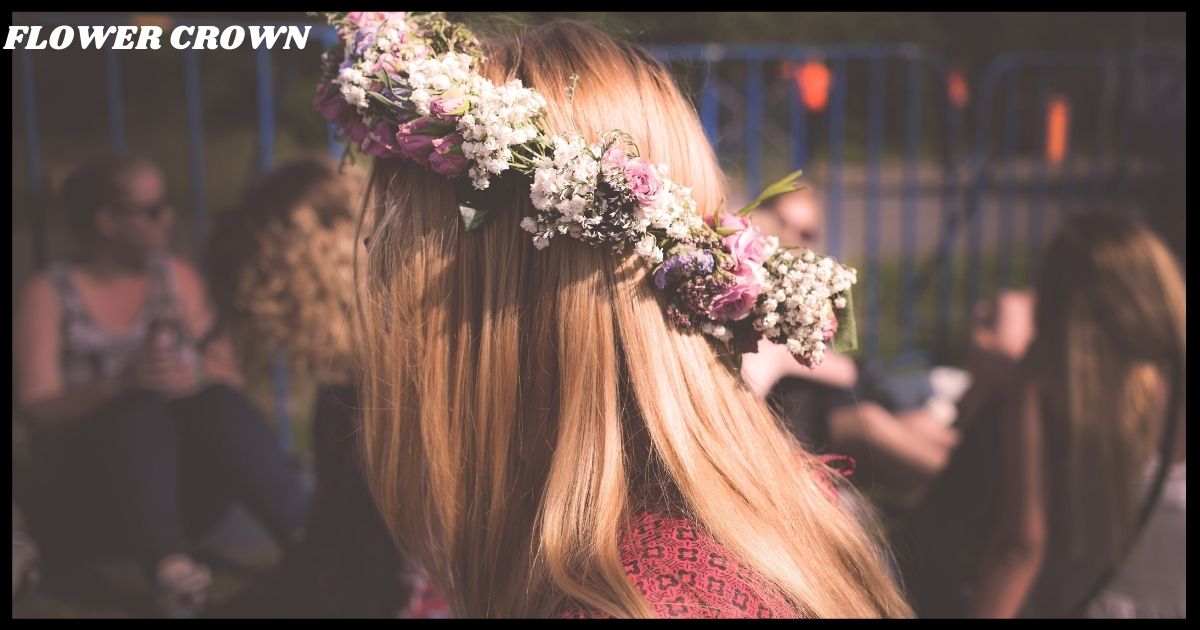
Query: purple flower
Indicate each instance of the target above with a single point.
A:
(416, 147)
(643, 180)
(679, 316)
(447, 158)
(330, 103)
(682, 266)
(356, 129)
(415, 125)
(364, 38)
(699, 293)
(450, 105)
(381, 142)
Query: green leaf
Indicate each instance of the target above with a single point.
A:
(781, 187)
(846, 338)
(381, 99)
(471, 217)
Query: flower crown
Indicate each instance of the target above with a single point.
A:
(405, 85)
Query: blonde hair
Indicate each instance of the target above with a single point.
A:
(1111, 326)
(521, 405)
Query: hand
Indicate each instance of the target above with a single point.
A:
(164, 371)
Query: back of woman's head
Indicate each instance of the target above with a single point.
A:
(280, 266)
(1111, 329)
(1111, 274)
(521, 404)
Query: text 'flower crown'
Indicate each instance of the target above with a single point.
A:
(405, 85)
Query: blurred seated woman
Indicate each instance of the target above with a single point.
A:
(142, 436)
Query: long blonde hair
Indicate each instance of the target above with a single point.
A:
(1111, 326)
(520, 405)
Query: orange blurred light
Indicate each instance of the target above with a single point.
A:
(1058, 126)
(813, 80)
(956, 88)
(149, 19)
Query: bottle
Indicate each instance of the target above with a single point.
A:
(167, 334)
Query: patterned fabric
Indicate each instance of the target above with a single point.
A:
(425, 601)
(684, 573)
(90, 351)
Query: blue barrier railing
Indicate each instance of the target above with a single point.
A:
(741, 122)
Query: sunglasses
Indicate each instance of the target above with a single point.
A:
(153, 211)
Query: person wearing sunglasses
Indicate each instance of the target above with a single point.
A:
(141, 435)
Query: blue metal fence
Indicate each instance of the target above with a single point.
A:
(738, 108)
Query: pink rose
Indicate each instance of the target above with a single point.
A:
(735, 222)
(746, 247)
(450, 105)
(616, 156)
(643, 180)
(738, 302)
(366, 18)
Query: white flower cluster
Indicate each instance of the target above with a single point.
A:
(494, 118)
(566, 193)
(797, 304)
(673, 210)
(381, 40)
(564, 184)
(498, 118)
(433, 76)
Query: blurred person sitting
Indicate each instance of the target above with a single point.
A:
(838, 406)
(141, 436)
(1076, 389)
(282, 265)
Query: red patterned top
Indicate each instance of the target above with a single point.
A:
(683, 572)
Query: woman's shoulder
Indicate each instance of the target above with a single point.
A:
(39, 294)
(683, 572)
